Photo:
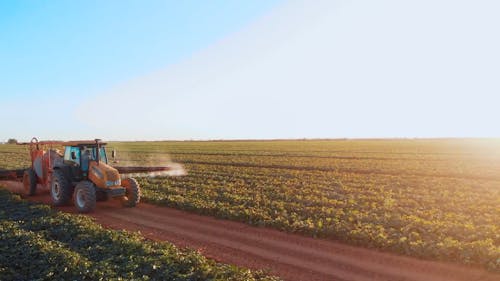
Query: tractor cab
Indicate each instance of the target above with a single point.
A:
(80, 156)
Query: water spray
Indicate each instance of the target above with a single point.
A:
(172, 170)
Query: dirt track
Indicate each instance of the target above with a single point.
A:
(292, 257)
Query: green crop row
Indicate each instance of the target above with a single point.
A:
(435, 199)
(37, 243)
(444, 219)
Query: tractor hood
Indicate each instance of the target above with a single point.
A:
(103, 175)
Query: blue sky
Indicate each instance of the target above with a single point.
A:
(135, 70)
(63, 48)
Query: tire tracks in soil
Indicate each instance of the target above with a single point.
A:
(290, 256)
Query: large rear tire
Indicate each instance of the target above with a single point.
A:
(132, 192)
(60, 189)
(29, 182)
(85, 197)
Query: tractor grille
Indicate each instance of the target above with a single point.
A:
(117, 182)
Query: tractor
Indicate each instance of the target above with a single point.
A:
(81, 174)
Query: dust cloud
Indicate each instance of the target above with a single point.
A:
(175, 170)
(148, 159)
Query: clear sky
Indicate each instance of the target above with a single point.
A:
(249, 69)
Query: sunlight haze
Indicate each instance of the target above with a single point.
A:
(305, 69)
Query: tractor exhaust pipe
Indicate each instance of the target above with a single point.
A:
(98, 150)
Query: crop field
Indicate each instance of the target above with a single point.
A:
(37, 243)
(435, 199)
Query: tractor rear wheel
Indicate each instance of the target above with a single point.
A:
(29, 182)
(60, 189)
(85, 197)
(132, 192)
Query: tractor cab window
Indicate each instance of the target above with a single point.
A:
(102, 153)
(90, 154)
(72, 155)
(104, 158)
(87, 156)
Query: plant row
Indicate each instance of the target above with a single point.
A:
(37, 243)
(437, 218)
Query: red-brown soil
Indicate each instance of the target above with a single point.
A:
(290, 256)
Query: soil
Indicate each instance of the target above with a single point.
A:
(290, 256)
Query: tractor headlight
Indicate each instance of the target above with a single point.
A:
(113, 183)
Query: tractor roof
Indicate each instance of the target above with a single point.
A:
(68, 143)
(80, 143)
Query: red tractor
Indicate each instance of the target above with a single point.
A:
(80, 174)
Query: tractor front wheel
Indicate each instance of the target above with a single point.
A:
(60, 189)
(85, 197)
(29, 182)
(132, 192)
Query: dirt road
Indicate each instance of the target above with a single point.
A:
(289, 256)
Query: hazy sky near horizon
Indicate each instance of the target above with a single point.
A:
(279, 69)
